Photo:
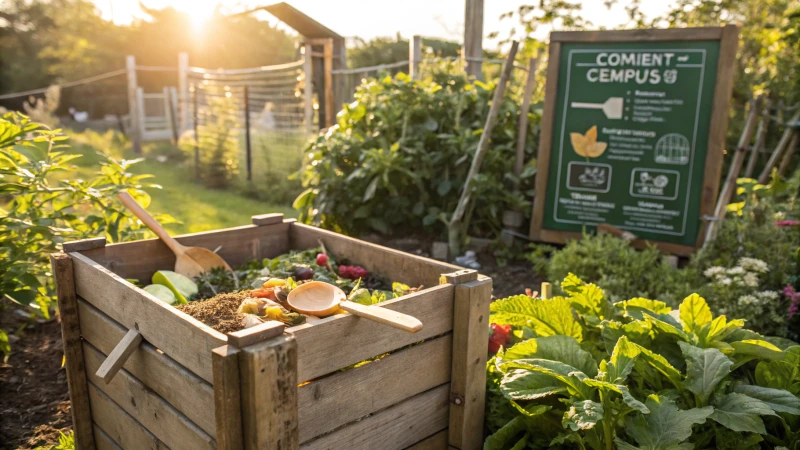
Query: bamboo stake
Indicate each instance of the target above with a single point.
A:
(733, 173)
(788, 156)
(454, 226)
(784, 142)
(761, 138)
(522, 133)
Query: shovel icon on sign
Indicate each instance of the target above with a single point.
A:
(612, 108)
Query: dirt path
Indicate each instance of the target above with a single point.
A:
(34, 399)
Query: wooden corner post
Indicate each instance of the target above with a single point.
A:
(133, 109)
(73, 350)
(268, 377)
(330, 110)
(414, 56)
(227, 397)
(468, 370)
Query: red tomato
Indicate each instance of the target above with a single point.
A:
(322, 259)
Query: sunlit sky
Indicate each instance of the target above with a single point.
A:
(372, 18)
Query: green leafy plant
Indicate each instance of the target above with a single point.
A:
(591, 374)
(217, 142)
(38, 212)
(400, 154)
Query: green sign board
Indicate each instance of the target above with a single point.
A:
(630, 137)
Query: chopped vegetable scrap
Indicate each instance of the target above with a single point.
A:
(499, 336)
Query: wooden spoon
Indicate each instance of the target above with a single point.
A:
(322, 299)
(189, 261)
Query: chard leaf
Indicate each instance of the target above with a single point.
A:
(781, 374)
(705, 368)
(778, 399)
(557, 348)
(508, 434)
(740, 412)
(622, 361)
(666, 427)
(588, 299)
(619, 389)
(582, 415)
(661, 364)
(694, 312)
(757, 348)
(665, 324)
(546, 317)
(571, 284)
(564, 373)
(636, 306)
(729, 440)
(526, 385)
(718, 329)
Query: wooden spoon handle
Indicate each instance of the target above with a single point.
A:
(384, 316)
(151, 223)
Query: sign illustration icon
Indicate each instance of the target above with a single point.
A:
(673, 148)
(612, 107)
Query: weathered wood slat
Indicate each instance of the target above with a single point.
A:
(344, 397)
(342, 340)
(166, 423)
(119, 425)
(436, 442)
(227, 398)
(73, 351)
(394, 428)
(103, 441)
(403, 267)
(184, 390)
(140, 259)
(123, 350)
(256, 334)
(468, 383)
(268, 374)
(183, 338)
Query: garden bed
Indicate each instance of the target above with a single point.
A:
(190, 386)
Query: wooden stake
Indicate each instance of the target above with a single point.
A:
(414, 56)
(546, 291)
(455, 224)
(330, 112)
(784, 142)
(73, 350)
(761, 138)
(522, 132)
(733, 173)
(116, 359)
(791, 149)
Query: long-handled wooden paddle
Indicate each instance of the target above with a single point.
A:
(189, 261)
(322, 299)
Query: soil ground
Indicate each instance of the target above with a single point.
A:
(34, 399)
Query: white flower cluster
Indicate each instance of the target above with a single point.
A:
(747, 273)
(756, 303)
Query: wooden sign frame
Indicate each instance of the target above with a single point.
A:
(728, 37)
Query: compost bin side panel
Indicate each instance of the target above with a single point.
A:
(184, 390)
(393, 264)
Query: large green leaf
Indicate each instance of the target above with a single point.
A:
(619, 389)
(510, 433)
(546, 317)
(740, 412)
(781, 374)
(757, 348)
(778, 399)
(666, 426)
(582, 415)
(622, 361)
(705, 368)
(564, 373)
(636, 306)
(718, 329)
(666, 324)
(588, 299)
(661, 364)
(694, 312)
(557, 348)
(520, 384)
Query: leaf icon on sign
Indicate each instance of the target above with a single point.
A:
(587, 145)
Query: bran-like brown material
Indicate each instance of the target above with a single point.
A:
(219, 312)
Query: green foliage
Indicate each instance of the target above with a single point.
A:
(621, 269)
(400, 153)
(385, 50)
(65, 442)
(656, 379)
(218, 143)
(38, 214)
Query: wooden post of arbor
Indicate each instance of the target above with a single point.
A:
(414, 56)
(473, 37)
(133, 112)
(308, 90)
(183, 90)
(329, 99)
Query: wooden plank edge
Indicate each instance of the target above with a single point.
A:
(436, 442)
(227, 398)
(267, 219)
(256, 334)
(116, 359)
(103, 440)
(63, 273)
(84, 244)
(123, 429)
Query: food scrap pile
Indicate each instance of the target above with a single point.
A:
(264, 287)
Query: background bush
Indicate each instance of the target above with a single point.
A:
(399, 156)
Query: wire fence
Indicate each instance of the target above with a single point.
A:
(260, 112)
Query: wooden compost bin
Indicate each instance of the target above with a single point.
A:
(189, 386)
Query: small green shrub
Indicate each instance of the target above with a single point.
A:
(217, 143)
(623, 271)
(398, 159)
(587, 373)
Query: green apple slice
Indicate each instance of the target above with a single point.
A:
(162, 293)
(180, 285)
